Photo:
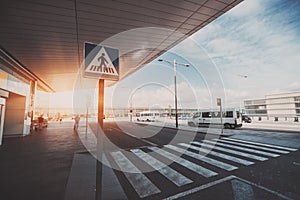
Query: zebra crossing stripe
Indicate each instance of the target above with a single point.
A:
(243, 149)
(192, 166)
(247, 155)
(254, 146)
(262, 144)
(221, 155)
(211, 161)
(165, 170)
(141, 184)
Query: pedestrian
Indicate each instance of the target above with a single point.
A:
(77, 119)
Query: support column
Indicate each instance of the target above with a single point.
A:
(31, 110)
(100, 139)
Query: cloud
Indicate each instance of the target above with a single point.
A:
(256, 38)
(224, 46)
(247, 7)
(295, 86)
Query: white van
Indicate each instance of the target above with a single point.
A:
(231, 118)
(149, 116)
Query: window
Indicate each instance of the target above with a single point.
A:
(237, 114)
(196, 115)
(216, 114)
(229, 114)
(206, 115)
(253, 112)
(256, 107)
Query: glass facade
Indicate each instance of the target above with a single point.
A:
(256, 112)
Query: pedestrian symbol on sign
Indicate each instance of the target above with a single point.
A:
(101, 62)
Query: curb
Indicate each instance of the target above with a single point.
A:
(222, 135)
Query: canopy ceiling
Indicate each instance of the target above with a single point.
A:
(47, 36)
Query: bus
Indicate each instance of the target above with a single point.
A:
(231, 118)
(148, 116)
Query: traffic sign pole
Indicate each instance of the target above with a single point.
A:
(102, 63)
(100, 139)
(219, 103)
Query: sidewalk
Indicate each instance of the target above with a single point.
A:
(182, 125)
(255, 125)
(272, 125)
(37, 166)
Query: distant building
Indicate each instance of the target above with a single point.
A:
(276, 107)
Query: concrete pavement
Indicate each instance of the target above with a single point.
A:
(37, 166)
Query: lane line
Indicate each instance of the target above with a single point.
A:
(243, 149)
(192, 166)
(201, 187)
(254, 146)
(221, 155)
(228, 178)
(262, 144)
(264, 188)
(211, 161)
(247, 155)
(141, 184)
(142, 139)
(242, 190)
(165, 170)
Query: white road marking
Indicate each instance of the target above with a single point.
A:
(254, 146)
(192, 166)
(262, 144)
(211, 161)
(221, 155)
(139, 138)
(201, 187)
(242, 148)
(242, 190)
(142, 185)
(165, 170)
(247, 155)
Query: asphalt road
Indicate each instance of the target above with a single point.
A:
(164, 163)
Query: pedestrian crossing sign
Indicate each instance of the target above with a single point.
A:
(101, 62)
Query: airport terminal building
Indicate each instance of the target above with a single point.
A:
(18, 87)
(275, 107)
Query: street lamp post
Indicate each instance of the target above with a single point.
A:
(243, 77)
(131, 99)
(175, 87)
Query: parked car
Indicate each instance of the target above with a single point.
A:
(246, 119)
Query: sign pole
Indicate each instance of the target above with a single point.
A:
(219, 103)
(221, 115)
(100, 139)
(102, 63)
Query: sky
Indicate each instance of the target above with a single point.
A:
(249, 52)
